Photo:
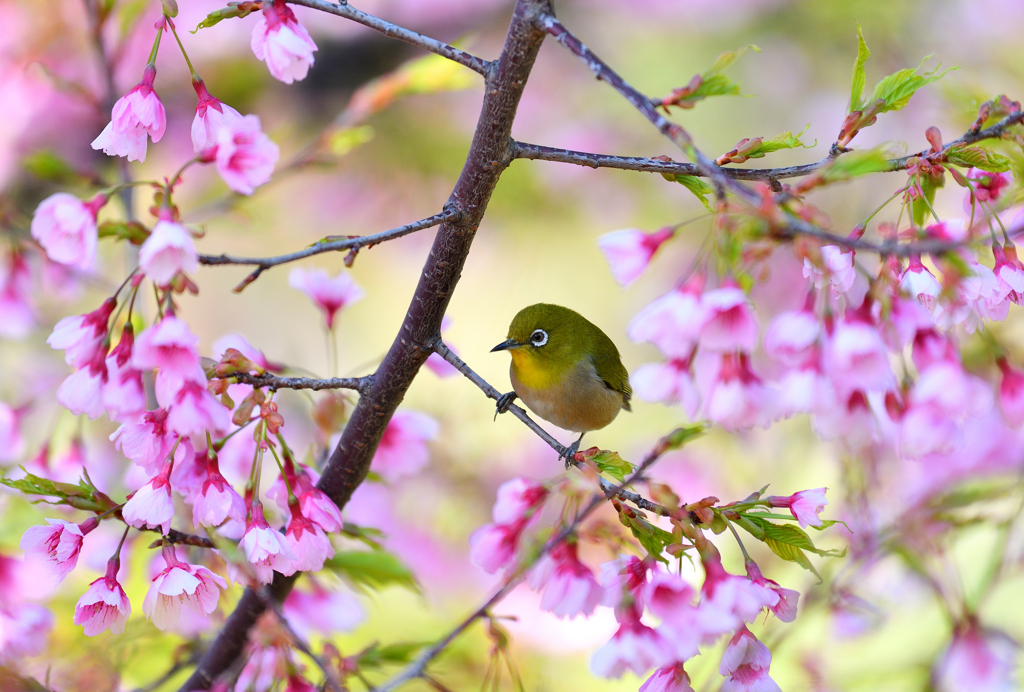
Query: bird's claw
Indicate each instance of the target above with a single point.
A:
(569, 453)
(504, 401)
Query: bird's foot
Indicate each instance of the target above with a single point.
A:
(504, 401)
(569, 453)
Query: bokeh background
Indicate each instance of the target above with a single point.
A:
(537, 243)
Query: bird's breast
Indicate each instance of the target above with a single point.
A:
(576, 399)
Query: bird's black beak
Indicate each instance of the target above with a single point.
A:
(506, 345)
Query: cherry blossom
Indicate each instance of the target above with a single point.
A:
(728, 601)
(329, 294)
(840, 272)
(245, 156)
(317, 609)
(123, 395)
(181, 584)
(24, 629)
(978, 659)
(673, 321)
(82, 336)
(1011, 394)
(791, 336)
(785, 609)
(667, 596)
(265, 549)
(82, 391)
(12, 441)
(60, 542)
(569, 586)
(856, 356)
(17, 314)
(630, 250)
(670, 382)
(66, 228)
(279, 40)
(195, 411)
(151, 505)
(172, 348)
(919, 283)
(805, 505)
(307, 542)
(135, 116)
(624, 580)
(104, 606)
(988, 187)
(745, 664)
(168, 251)
(634, 646)
(146, 440)
(211, 115)
(517, 499)
(736, 398)
(313, 503)
(216, 500)
(730, 324)
(493, 546)
(403, 449)
(671, 678)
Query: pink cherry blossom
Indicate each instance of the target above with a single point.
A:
(136, 115)
(978, 659)
(840, 272)
(104, 606)
(671, 678)
(791, 337)
(151, 505)
(329, 294)
(313, 503)
(667, 596)
(1009, 272)
(988, 187)
(736, 398)
(918, 282)
(265, 549)
(728, 601)
(195, 411)
(322, 610)
(147, 440)
(59, 543)
(82, 336)
(211, 115)
(804, 390)
(493, 546)
(17, 314)
(24, 629)
(181, 584)
(82, 391)
(123, 396)
(850, 418)
(635, 646)
(66, 228)
(1011, 394)
(283, 43)
(624, 580)
(12, 441)
(170, 346)
(168, 251)
(673, 321)
(785, 609)
(570, 588)
(805, 505)
(745, 665)
(941, 399)
(517, 500)
(856, 356)
(308, 542)
(670, 382)
(630, 250)
(403, 449)
(245, 157)
(730, 324)
(216, 501)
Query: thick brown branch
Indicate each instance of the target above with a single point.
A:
(352, 243)
(488, 156)
(390, 30)
(520, 413)
(418, 667)
(360, 384)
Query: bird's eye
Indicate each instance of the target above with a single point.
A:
(539, 337)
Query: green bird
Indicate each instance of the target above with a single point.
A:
(565, 369)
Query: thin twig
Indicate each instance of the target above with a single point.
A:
(520, 413)
(350, 243)
(331, 680)
(175, 537)
(273, 382)
(417, 668)
(479, 65)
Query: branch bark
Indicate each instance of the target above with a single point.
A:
(489, 154)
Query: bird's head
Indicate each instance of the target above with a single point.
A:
(546, 336)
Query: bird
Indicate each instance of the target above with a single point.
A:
(565, 369)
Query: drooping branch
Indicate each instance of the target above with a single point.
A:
(618, 491)
(418, 667)
(488, 156)
(335, 245)
(343, 9)
(273, 382)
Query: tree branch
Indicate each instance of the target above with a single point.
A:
(417, 668)
(479, 65)
(273, 382)
(640, 501)
(489, 155)
(351, 243)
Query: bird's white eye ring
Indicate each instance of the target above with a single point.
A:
(539, 337)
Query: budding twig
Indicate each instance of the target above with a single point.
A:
(273, 382)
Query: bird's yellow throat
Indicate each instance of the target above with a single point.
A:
(532, 371)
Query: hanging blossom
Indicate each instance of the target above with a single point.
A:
(634, 646)
(329, 294)
(403, 448)
(181, 584)
(629, 251)
(151, 505)
(978, 659)
(245, 157)
(569, 586)
(265, 549)
(728, 601)
(805, 505)
(104, 606)
(673, 321)
(1011, 393)
(124, 396)
(82, 336)
(168, 251)
(313, 502)
(211, 116)
(82, 391)
(136, 115)
(145, 440)
(216, 501)
(60, 542)
(66, 228)
(745, 664)
(17, 314)
(671, 678)
(279, 40)
(493, 546)
(307, 542)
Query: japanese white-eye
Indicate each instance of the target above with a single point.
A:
(565, 369)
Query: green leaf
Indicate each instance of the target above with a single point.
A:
(374, 569)
(857, 163)
(791, 553)
(896, 90)
(613, 464)
(345, 139)
(711, 82)
(859, 78)
(375, 655)
(48, 165)
(653, 539)
(683, 434)
(82, 496)
(978, 157)
(756, 148)
(922, 207)
(234, 9)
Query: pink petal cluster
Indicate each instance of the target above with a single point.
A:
(279, 40)
(124, 396)
(330, 294)
(403, 448)
(81, 337)
(671, 678)
(978, 659)
(104, 606)
(146, 440)
(136, 116)
(17, 312)
(570, 588)
(245, 157)
(60, 542)
(805, 505)
(313, 503)
(66, 228)
(307, 542)
(493, 546)
(216, 501)
(211, 116)
(634, 646)
(168, 251)
(629, 251)
(151, 505)
(181, 584)
(745, 665)
(265, 549)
